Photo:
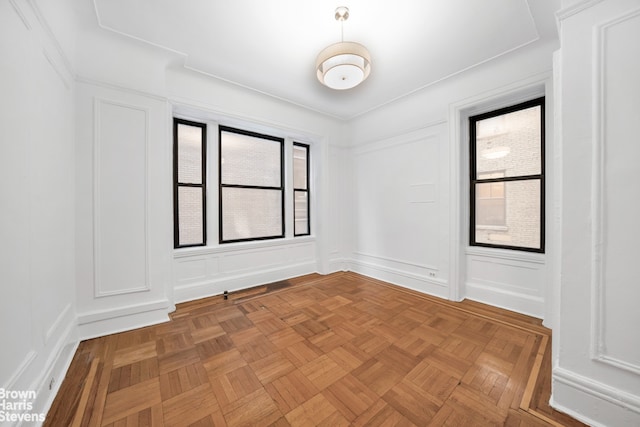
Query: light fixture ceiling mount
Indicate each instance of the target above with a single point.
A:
(343, 65)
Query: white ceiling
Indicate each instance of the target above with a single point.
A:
(271, 46)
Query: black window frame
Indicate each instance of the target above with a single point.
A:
(177, 184)
(473, 180)
(221, 185)
(306, 190)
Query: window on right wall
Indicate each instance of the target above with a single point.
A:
(507, 177)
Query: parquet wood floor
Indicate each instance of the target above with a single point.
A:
(336, 350)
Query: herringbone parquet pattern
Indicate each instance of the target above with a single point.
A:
(333, 350)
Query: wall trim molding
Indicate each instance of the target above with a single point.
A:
(409, 263)
(212, 287)
(117, 87)
(575, 8)
(530, 305)
(355, 263)
(20, 14)
(598, 343)
(100, 315)
(200, 110)
(49, 35)
(67, 82)
(52, 360)
(242, 247)
(58, 322)
(404, 137)
(24, 366)
(595, 389)
(98, 292)
(506, 254)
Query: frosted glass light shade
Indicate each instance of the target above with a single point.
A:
(343, 65)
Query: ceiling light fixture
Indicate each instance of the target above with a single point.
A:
(343, 65)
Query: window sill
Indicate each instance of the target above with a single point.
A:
(240, 246)
(510, 254)
(492, 227)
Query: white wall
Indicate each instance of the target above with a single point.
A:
(37, 181)
(200, 272)
(128, 273)
(123, 214)
(400, 210)
(596, 376)
(411, 197)
(389, 196)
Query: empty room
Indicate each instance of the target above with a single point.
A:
(287, 213)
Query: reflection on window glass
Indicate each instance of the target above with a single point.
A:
(490, 201)
(249, 160)
(520, 217)
(190, 215)
(189, 183)
(510, 143)
(251, 186)
(507, 177)
(301, 196)
(251, 213)
(189, 154)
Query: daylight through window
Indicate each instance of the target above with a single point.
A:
(507, 177)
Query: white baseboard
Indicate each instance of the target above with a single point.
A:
(593, 402)
(428, 285)
(209, 288)
(509, 300)
(104, 322)
(337, 264)
(44, 369)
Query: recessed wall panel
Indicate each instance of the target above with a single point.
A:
(120, 198)
(619, 204)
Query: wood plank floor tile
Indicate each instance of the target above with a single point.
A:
(132, 354)
(225, 362)
(182, 380)
(255, 409)
(302, 352)
(132, 374)
(412, 402)
(377, 376)
(209, 348)
(285, 337)
(323, 371)
(314, 412)
(291, 390)
(333, 350)
(350, 396)
(246, 336)
(382, 414)
(203, 334)
(131, 400)
(438, 384)
(272, 367)
(348, 356)
(258, 348)
(172, 361)
(190, 407)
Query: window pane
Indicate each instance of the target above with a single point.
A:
(521, 217)
(248, 160)
(490, 204)
(510, 142)
(251, 213)
(301, 213)
(190, 216)
(189, 154)
(300, 167)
